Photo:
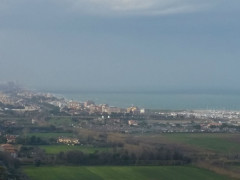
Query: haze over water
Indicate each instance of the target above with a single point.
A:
(166, 101)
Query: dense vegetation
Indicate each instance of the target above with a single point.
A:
(123, 157)
(9, 167)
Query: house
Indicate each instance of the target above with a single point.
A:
(144, 111)
(133, 110)
(11, 139)
(72, 141)
(113, 109)
(214, 125)
(74, 105)
(132, 123)
(9, 149)
(88, 103)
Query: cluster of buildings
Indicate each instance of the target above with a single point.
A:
(5, 99)
(68, 141)
(103, 114)
(74, 107)
(202, 114)
(18, 102)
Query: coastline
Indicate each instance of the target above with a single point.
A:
(164, 101)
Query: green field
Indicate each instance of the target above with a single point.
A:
(121, 173)
(60, 121)
(55, 149)
(223, 143)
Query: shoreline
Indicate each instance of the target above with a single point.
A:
(165, 102)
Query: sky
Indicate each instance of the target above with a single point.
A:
(121, 45)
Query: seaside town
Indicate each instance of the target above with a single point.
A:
(105, 117)
(119, 90)
(43, 129)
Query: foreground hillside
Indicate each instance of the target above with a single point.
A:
(120, 173)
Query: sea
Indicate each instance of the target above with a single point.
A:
(163, 101)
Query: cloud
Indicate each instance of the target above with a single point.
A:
(136, 7)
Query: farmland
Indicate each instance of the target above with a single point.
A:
(222, 143)
(120, 172)
(60, 121)
(54, 149)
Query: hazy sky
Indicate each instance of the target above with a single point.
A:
(121, 44)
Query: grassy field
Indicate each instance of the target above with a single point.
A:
(60, 121)
(54, 149)
(223, 143)
(121, 173)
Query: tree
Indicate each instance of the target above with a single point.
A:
(3, 139)
(37, 162)
(75, 157)
(3, 173)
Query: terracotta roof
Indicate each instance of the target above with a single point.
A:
(8, 147)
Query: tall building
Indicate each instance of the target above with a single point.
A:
(88, 103)
(133, 110)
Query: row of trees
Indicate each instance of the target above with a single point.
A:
(123, 157)
(32, 140)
